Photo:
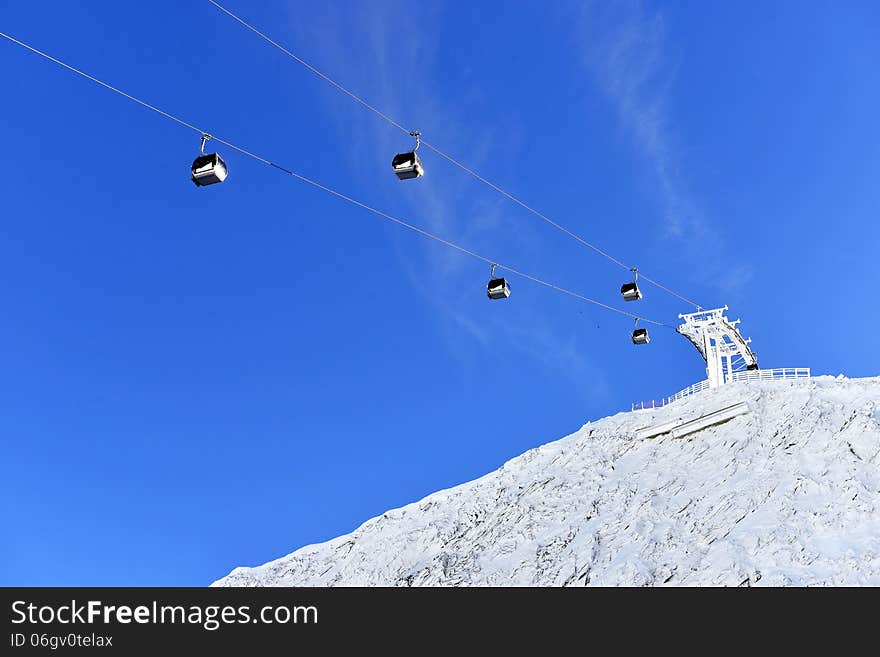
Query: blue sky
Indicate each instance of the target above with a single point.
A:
(196, 379)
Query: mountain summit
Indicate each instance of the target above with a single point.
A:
(787, 493)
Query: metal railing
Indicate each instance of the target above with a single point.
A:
(771, 375)
(776, 374)
(660, 403)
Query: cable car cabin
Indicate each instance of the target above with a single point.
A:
(630, 292)
(407, 165)
(209, 169)
(498, 288)
(640, 336)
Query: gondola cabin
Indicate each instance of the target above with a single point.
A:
(640, 336)
(208, 170)
(630, 292)
(407, 165)
(498, 288)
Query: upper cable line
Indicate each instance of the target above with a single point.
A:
(449, 157)
(210, 169)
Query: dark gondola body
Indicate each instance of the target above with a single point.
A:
(498, 288)
(208, 170)
(630, 292)
(640, 336)
(407, 165)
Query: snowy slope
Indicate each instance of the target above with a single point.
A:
(788, 494)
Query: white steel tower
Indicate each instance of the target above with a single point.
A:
(719, 343)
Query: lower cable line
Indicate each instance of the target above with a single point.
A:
(400, 222)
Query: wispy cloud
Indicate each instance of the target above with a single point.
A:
(626, 50)
(381, 53)
(397, 70)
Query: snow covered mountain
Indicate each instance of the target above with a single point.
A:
(787, 494)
